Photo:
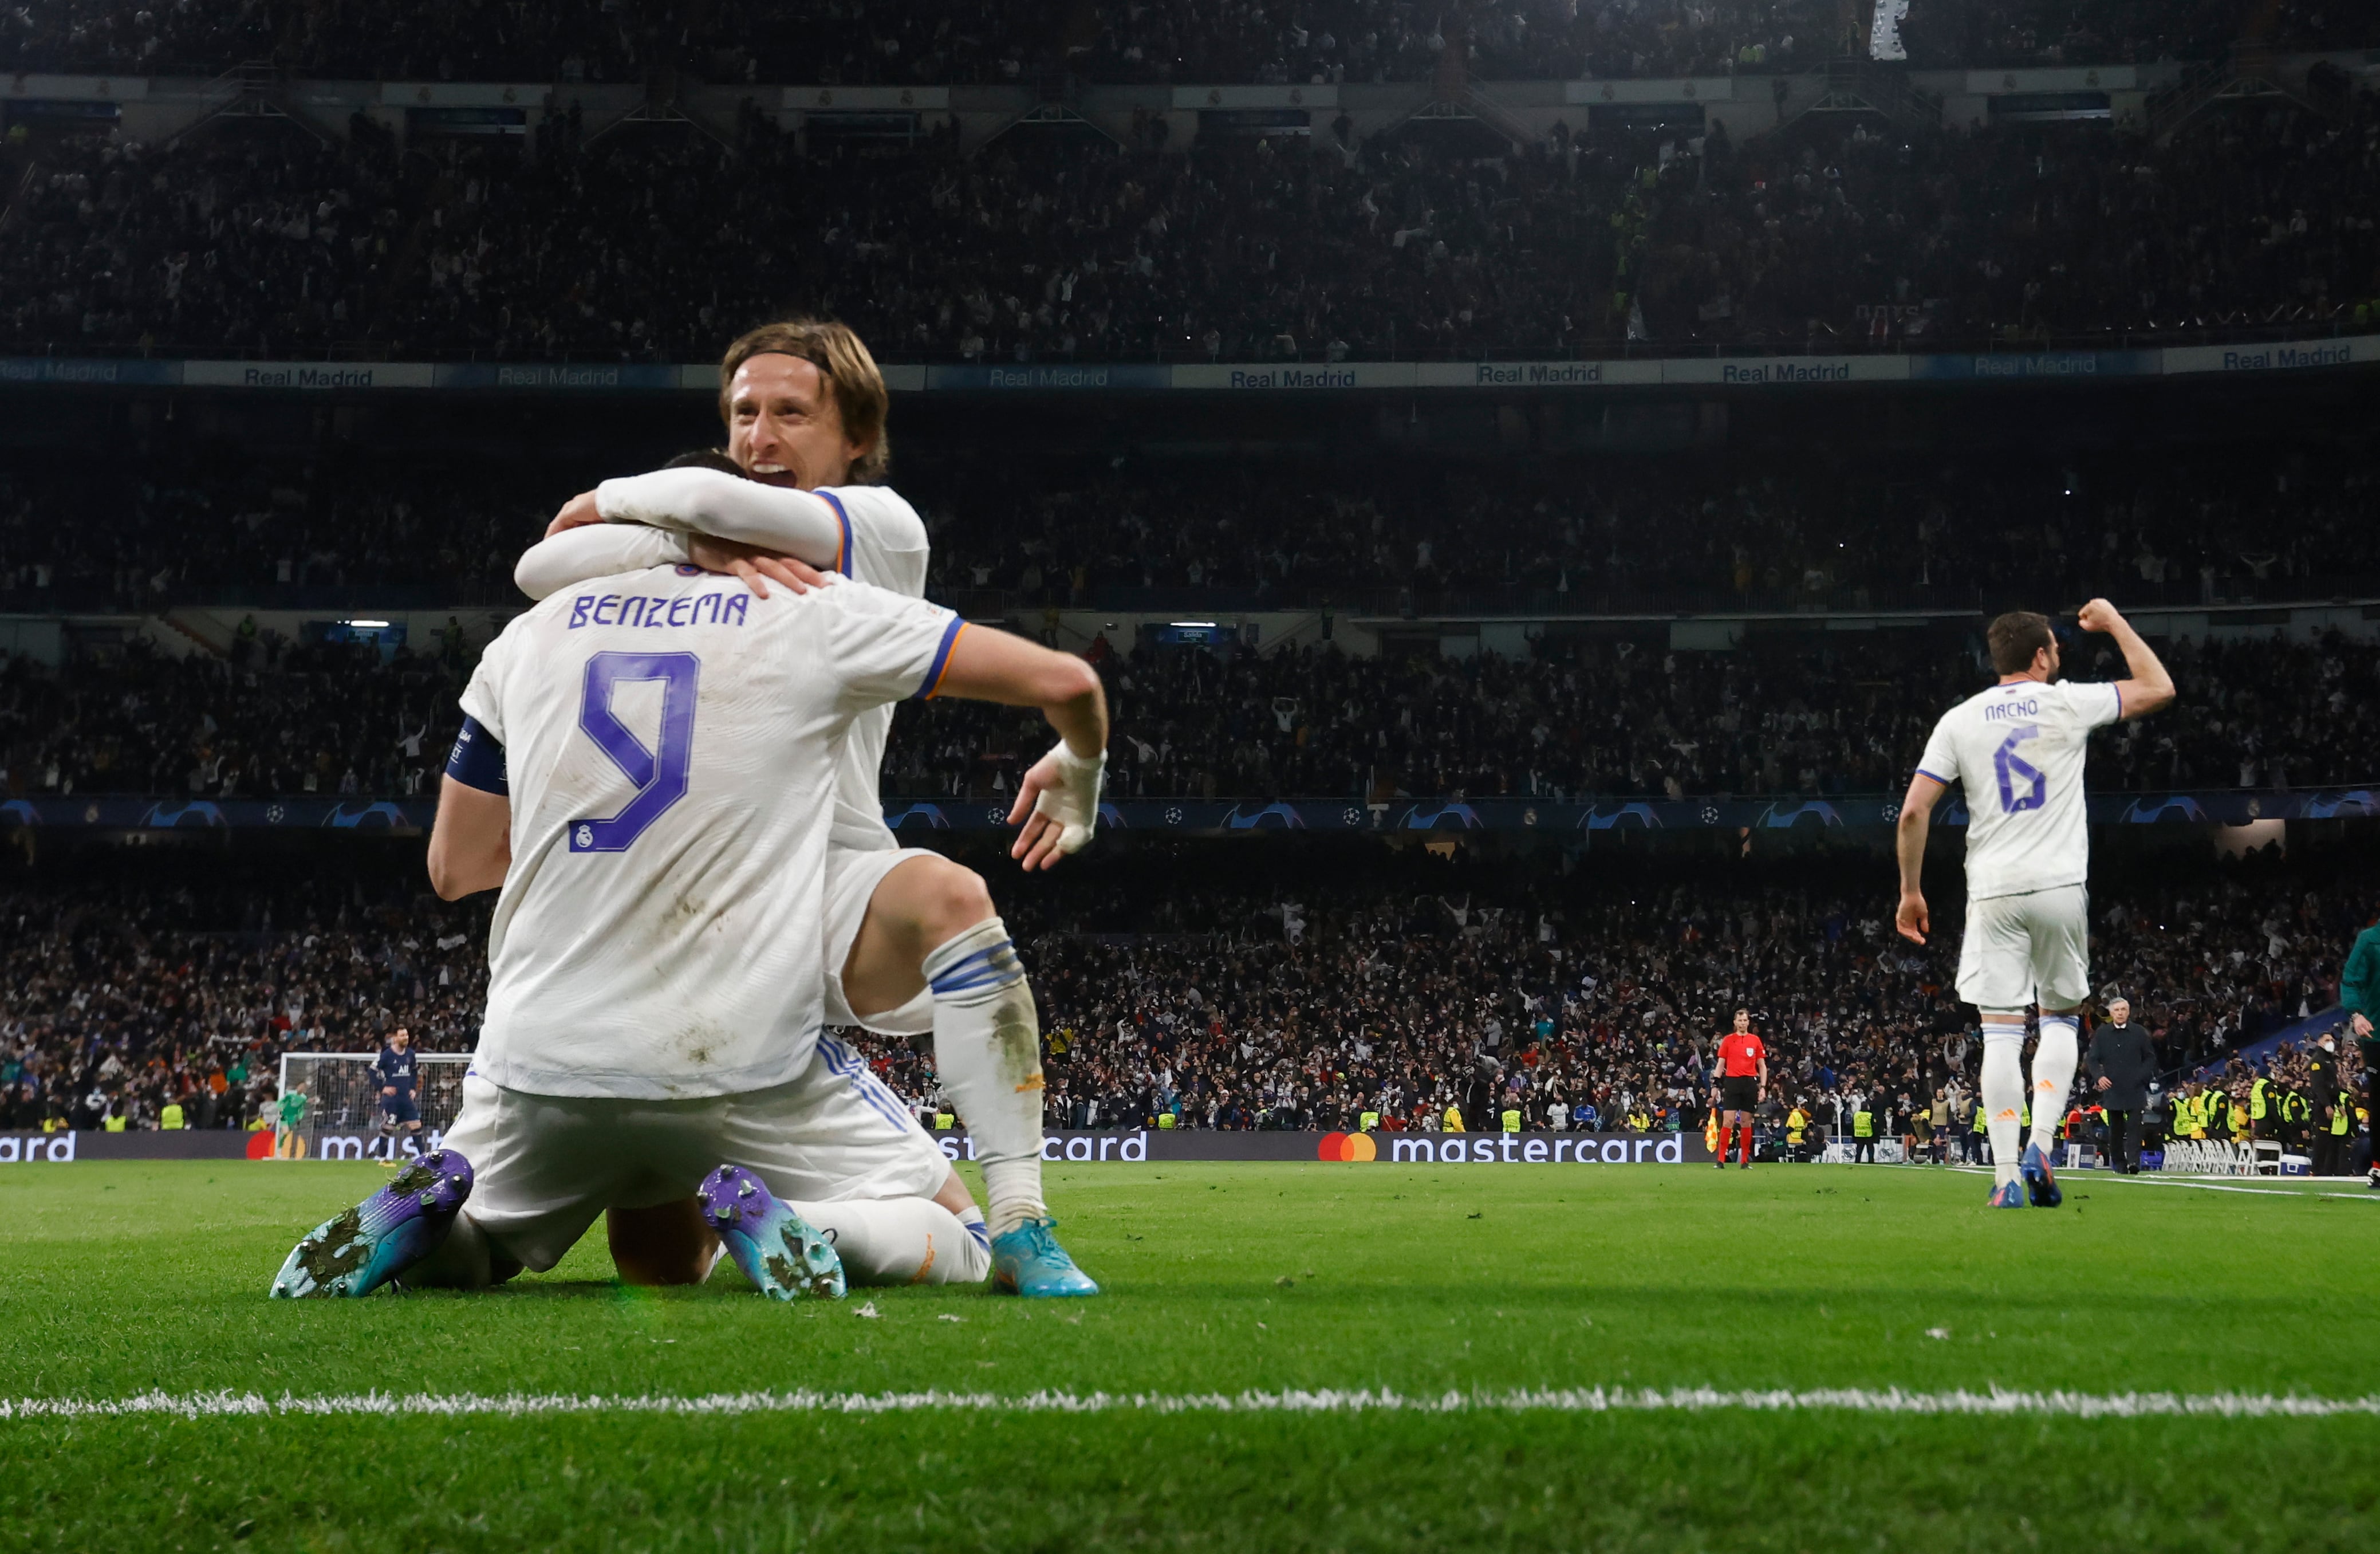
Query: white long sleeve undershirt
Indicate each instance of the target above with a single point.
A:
(649, 518)
(577, 555)
(695, 500)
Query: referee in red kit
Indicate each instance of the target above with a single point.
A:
(1743, 1085)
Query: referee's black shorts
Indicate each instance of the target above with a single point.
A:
(1738, 1093)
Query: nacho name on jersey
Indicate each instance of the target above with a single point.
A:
(2009, 711)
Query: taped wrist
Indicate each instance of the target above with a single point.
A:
(1074, 801)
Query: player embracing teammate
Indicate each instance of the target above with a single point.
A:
(696, 876)
(2019, 748)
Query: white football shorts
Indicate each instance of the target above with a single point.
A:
(545, 1167)
(852, 876)
(2033, 948)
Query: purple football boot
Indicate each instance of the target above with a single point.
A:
(783, 1253)
(376, 1240)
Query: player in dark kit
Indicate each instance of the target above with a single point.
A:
(396, 1097)
(1743, 1086)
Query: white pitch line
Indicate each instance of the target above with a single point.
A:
(1595, 1400)
(2078, 1178)
(2226, 1187)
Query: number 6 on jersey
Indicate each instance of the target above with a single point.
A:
(2006, 764)
(660, 776)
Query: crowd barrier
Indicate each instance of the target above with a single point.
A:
(1119, 1146)
(1145, 1146)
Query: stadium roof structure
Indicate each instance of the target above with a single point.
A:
(2154, 97)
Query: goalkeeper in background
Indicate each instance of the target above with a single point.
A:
(2359, 995)
(291, 1114)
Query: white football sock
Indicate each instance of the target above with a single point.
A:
(2003, 1094)
(987, 1052)
(2053, 1075)
(902, 1240)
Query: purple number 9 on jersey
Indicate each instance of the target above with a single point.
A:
(2010, 766)
(660, 775)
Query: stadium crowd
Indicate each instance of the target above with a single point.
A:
(1579, 717)
(2201, 526)
(1574, 719)
(1433, 995)
(657, 245)
(124, 999)
(1589, 717)
(274, 719)
(847, 41)
(1596, 1012)
(1384, 535)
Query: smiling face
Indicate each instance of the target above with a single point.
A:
(784, 425)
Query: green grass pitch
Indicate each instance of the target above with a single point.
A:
(117, 1280)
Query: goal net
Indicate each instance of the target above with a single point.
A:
(343, 1102)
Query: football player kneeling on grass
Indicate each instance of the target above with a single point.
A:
(655, 977)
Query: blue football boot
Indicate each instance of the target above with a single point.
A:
(2007, 1194)
(1029, 1261)
(783, 1253)
(376, 1240)
(2040, 1182)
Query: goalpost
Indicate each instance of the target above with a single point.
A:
(342, 1103)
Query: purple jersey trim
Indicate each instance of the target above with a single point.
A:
(843, 558)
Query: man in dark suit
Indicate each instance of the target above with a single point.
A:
(2122, 1063)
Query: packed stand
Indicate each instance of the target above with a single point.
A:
(1601, 1015)
(1425, 535)
(1322, 1009)
(277, 719)
(257, 245)
(207, 526)
(1584, 717)
(124, 999)
(1578, 718)
(1138, 40)
(659, 244)
(1427, 996)
(1021, 528)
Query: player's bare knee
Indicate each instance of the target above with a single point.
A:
(950, 900)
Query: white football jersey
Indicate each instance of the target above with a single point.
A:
(2019, 748)
(881, 541)
(674, 747)
(885, 544)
